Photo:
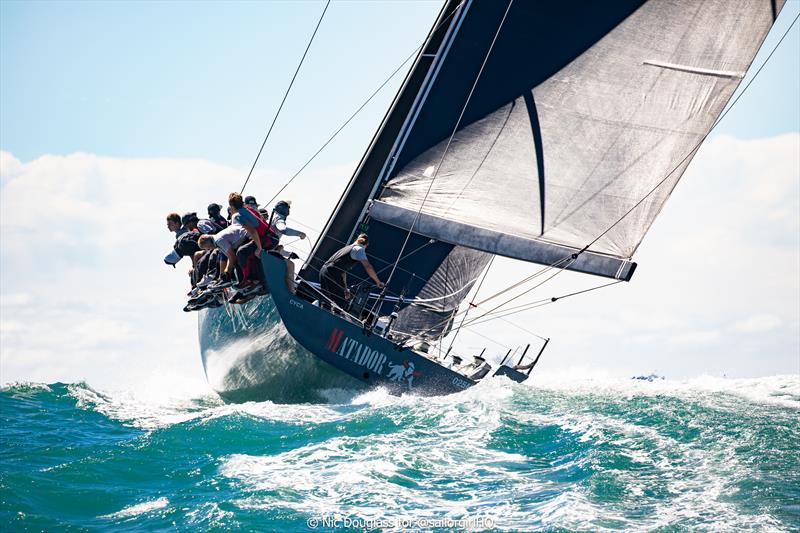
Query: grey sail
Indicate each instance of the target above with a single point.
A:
(545, 174)
(579, 110)
(431, 315)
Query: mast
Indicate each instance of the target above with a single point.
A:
(343, 222)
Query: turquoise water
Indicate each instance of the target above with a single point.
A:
(706, 454)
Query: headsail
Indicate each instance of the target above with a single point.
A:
(581, 109)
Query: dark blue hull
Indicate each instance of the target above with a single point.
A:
(354, 350)
(283, 348)
(249, 356)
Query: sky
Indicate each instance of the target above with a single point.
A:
(114, 114)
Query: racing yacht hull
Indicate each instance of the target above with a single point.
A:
(248, 355)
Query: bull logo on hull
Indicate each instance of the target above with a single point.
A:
(402, 372)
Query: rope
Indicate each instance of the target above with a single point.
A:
(286, 94)
(554, 265)
(523, 281)
(471, 303)
(540, 303)
(559, 271)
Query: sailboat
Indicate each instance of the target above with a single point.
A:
(547, 132)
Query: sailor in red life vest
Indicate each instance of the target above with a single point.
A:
(248, 257)
(333, 274)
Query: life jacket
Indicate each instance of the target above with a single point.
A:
(269, 239)
(341, 259)
(186, 244)
(220, 221)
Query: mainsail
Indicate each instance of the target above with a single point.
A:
(580, 109)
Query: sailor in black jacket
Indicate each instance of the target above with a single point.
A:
(333, 274)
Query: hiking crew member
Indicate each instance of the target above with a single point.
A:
(333, 274)
(216, 217)
(205, 226)
(206, 268)
(227, 240)
(251, 201)
(277, 222)
(174, 225)
(248, 257)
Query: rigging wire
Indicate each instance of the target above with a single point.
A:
(539, 303)
(471, 303)
(545, 269)
(498, 306)
(285, 95)
(450, 140)
(363, 105)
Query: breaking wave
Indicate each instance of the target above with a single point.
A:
(708, 453)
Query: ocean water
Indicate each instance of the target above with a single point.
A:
(555, 454)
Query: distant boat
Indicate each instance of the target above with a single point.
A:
(547, 132)
(649, 377)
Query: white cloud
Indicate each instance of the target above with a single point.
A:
(10, 166)
(15, 299)
(85, 294)
(697, 337)
(758, 324)
(9, 326)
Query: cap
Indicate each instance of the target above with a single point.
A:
(251, 200)
(457, 359)
(189, 217)
(214, 208)
(172, 258)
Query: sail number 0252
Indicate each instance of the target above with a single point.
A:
(458, 382)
